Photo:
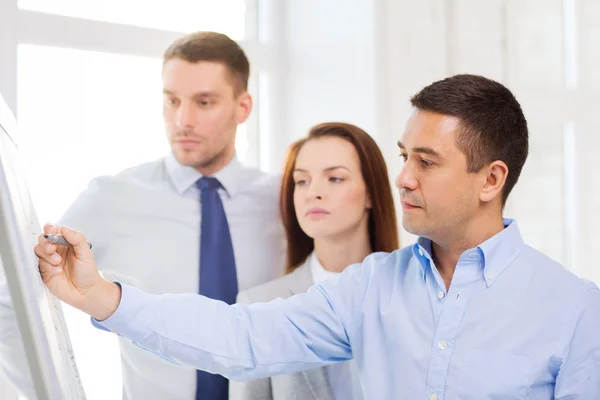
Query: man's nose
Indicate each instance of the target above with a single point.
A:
(184, 117)
(406, 179)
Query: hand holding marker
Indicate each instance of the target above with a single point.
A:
(59, 239)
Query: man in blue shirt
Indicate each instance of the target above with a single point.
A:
(468, 312)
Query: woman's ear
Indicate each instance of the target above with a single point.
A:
(369, 202)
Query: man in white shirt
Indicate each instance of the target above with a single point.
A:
(158, 206)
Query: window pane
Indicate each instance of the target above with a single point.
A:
(101, 112)
(226, 16)
(96, 110)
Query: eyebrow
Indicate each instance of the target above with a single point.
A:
(326, 169)
(423, 150)
(204, 94)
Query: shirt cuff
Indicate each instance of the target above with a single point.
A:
(130, 320)
(133, 317)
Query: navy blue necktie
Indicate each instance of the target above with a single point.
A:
(218, 279)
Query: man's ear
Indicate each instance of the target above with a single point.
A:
(494, 178)
(244, 101)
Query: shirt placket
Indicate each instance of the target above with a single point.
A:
(449, 309)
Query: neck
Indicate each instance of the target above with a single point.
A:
(217, 163)
(335, 254)
(446, 253)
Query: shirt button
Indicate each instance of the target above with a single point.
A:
(433, 396)
(490, 276)
(441, 295)
(420, 252)
(442, 345)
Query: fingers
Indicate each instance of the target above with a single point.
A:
(51, 257)
(46, 245)
(78, 241)
(51, 229)
(49, 262)
(48, 270)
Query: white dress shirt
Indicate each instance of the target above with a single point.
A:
(343, 377)
(144, 224)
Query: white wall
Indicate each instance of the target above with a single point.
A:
(331, 64)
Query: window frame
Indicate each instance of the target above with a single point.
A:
(261, 46)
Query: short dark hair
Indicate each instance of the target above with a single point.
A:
(216, 47)
(492, 125)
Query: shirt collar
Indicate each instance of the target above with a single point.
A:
(422, 252)
(183, 178)
(495, 253)
(500, 250)
(319, 273)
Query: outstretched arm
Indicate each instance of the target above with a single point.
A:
(240, 342)
(255, 389)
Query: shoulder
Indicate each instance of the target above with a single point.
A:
(277, 288)
(143, 173)
(383, 262)
(570, 296)
(110, 191)
(548, 272)
(378, 270)
(143, 178)
(574, 301)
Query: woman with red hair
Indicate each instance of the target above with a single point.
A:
(331, 221)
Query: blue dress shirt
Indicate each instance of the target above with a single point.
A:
(513, 325)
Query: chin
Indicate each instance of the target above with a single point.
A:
(413, 227)
(190, 159)
(317, 230)
(317, 233)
